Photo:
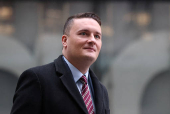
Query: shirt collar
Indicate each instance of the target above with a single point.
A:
(75, 72)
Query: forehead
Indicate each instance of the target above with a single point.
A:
(86, 23)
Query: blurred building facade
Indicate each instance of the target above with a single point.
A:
(133, 63)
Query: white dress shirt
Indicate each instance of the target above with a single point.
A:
(77, 75)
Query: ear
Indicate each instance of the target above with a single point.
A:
(64, 41)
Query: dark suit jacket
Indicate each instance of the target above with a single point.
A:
(50, 89)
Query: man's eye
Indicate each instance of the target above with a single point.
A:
(97, 36)
(83, 33)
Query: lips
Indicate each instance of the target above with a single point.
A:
(90, 48)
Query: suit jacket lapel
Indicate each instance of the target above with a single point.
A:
(98, 93)
(68, 82)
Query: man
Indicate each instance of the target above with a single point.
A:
(67, 85)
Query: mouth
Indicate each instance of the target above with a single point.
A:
(90, 49)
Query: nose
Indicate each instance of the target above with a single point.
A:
(92, 39)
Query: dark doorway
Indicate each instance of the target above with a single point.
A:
(8, 83)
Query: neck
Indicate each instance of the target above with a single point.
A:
(82, 65)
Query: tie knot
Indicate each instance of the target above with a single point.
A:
(83, 79)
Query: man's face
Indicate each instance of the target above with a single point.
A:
(84, 40)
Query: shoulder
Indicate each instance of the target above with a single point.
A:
(94, 78)
(105, 95)
(47, 68)
(35, 73)
(104, 90)
(41, 68)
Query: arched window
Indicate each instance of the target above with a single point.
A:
(156, 97)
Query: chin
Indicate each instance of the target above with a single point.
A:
(90, 58)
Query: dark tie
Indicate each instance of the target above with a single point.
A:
(86, 95)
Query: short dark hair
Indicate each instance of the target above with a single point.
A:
(69, 21)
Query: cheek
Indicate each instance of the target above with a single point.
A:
(79, 43)
(99, 45)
